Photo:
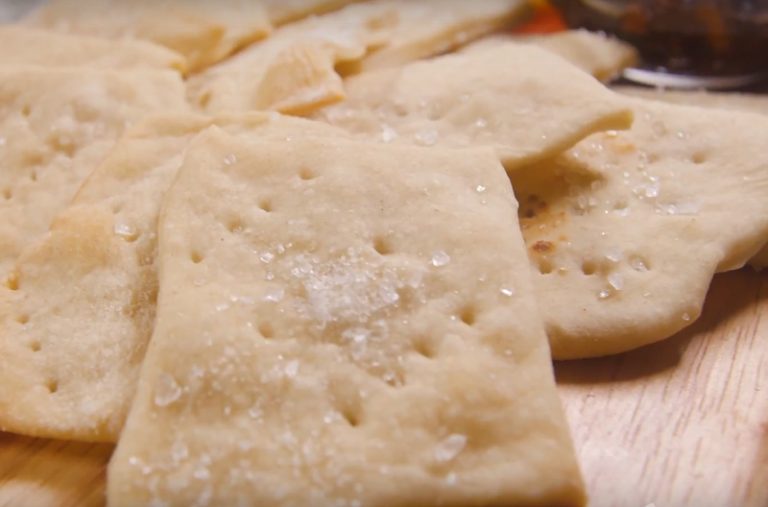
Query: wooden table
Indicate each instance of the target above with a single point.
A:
(679, 423)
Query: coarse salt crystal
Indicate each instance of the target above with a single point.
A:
(167, 390)
(450, 447)
(440, 259)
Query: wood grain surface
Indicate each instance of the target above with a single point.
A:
(680, 423)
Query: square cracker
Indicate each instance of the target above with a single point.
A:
(507, 96)
(203, 31)
(29, 46)
(73, 333)
(627, 229)
(343, 324)
(600, 55)
(55, 128)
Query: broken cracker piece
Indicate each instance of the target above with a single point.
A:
(293, 71)
(56, 128)
(75, 327)
(627, 229)
(203, 31)
(363, 335)
(508, 96)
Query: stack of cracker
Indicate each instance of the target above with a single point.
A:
(292, 253)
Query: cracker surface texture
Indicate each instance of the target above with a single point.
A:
(30, 46)
(203, 31)
(430, 27)
(745, 102)
(74, 330)
(596, 53)
(626, 230)
(519, 107)
(343, 324)
(56, 127)
(294, 69)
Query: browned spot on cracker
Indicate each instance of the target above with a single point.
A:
(543, 246)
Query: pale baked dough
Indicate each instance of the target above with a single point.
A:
(508, 96)
(74, 330)
(343, 324)
(56, 127)
(203, 31)
(30, 46)
(746, 102)
(596, 53)
(627, 229)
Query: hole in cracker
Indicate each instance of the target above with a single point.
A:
(22, 318)
(52, 385)
(117, 207)
(424, 348)
(235, 225)
(12, 282)
(33, 176)
(351, 416)
(7, 194)
(468, 315)
(382, 246)
(26, 110)
(698, 158)
(305, 173)
(266, 330)
(196, 257)
(204, 99)
(35, 346)
(588, 267)
(265, 205)
(545, 266)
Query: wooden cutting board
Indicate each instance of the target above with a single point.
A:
(680, 423)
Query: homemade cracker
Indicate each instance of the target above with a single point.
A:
(627, 229)
(56, 127)
(281, 12)
(74, 330)
(508, 96)
(203, 31)
(294, 69)
(429, 27)
(751, 103)
(343, 324)
(602, 56)
(29, 46)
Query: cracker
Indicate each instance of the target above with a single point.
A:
(627, 230)
(203, 31)
(365, 335)
(293, 70)
(747, 102)
(75, 328)
(602, 56)
(56, 127)
(430, 27)
(29, 46)
(519, 106)
(281, 12)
